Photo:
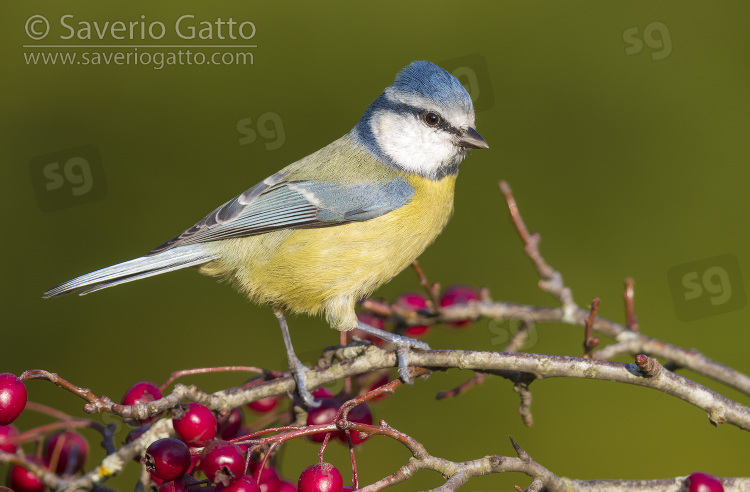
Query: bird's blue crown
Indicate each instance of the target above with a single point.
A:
(425, 80)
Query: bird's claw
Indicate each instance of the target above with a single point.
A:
(299, 371)
(399, 341)
(403, 346)
(402, 354)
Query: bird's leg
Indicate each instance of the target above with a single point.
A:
(298, 369)
(403, 345)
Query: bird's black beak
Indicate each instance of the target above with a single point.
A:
(471, 139)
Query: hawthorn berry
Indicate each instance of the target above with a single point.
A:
(413, 301)
(360, 414)
(167, 459)
(703, 482)
(324, 414)
(22, 480)
(6, 432)
(12, 398)
(142, 392)
(458, 294)
(322, 392)
(245, 484)
(230, 424)
(66, 452)
(222, 462)
(323, 477)
(269, 480)
(194, 424)
(264, 405)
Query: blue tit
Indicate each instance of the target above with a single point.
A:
(330, 228)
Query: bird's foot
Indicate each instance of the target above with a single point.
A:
(403, 347)
(299, 371)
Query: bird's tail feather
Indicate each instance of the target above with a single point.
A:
(138, 268)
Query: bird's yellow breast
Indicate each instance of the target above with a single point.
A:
(331, 268)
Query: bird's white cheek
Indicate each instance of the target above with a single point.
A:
(411, 144)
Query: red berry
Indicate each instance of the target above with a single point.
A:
(6, 432)
(264, 405)
(22, 480)
(368, 318)
(458, 294)
(244, 484)
(222, 462)
(142, 392)
(322, 392)
(323, 477)
(194, 424)
(413, 301)
(66, 452)
(324, 414)
(12, 398)
(349, 488)
(703, 482)
(269, 480)
(360, 414)
(167, 459)
(230, 424)
(286, 487)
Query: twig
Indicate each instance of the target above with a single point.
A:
(205, 370)
(476, 379)
(628, 295)
(551, 280)
(589, 342)
(432, 289)
(646, 372)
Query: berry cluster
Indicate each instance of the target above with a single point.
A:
(201, 457)
(419, 303)
(205, 444)
(211, 450)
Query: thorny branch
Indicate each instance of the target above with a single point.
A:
(520, 368)
(646, 372)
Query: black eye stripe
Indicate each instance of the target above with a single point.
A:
(442, 123)
(398, 107)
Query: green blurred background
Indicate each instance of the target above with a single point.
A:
(621, 126)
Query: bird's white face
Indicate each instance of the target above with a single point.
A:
(423, 138)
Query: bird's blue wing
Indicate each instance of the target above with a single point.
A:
(276, 204)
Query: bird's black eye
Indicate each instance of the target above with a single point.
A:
(431, 118)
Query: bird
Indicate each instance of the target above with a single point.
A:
(327, 230)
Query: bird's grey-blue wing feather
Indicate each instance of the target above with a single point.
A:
(275, 204)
